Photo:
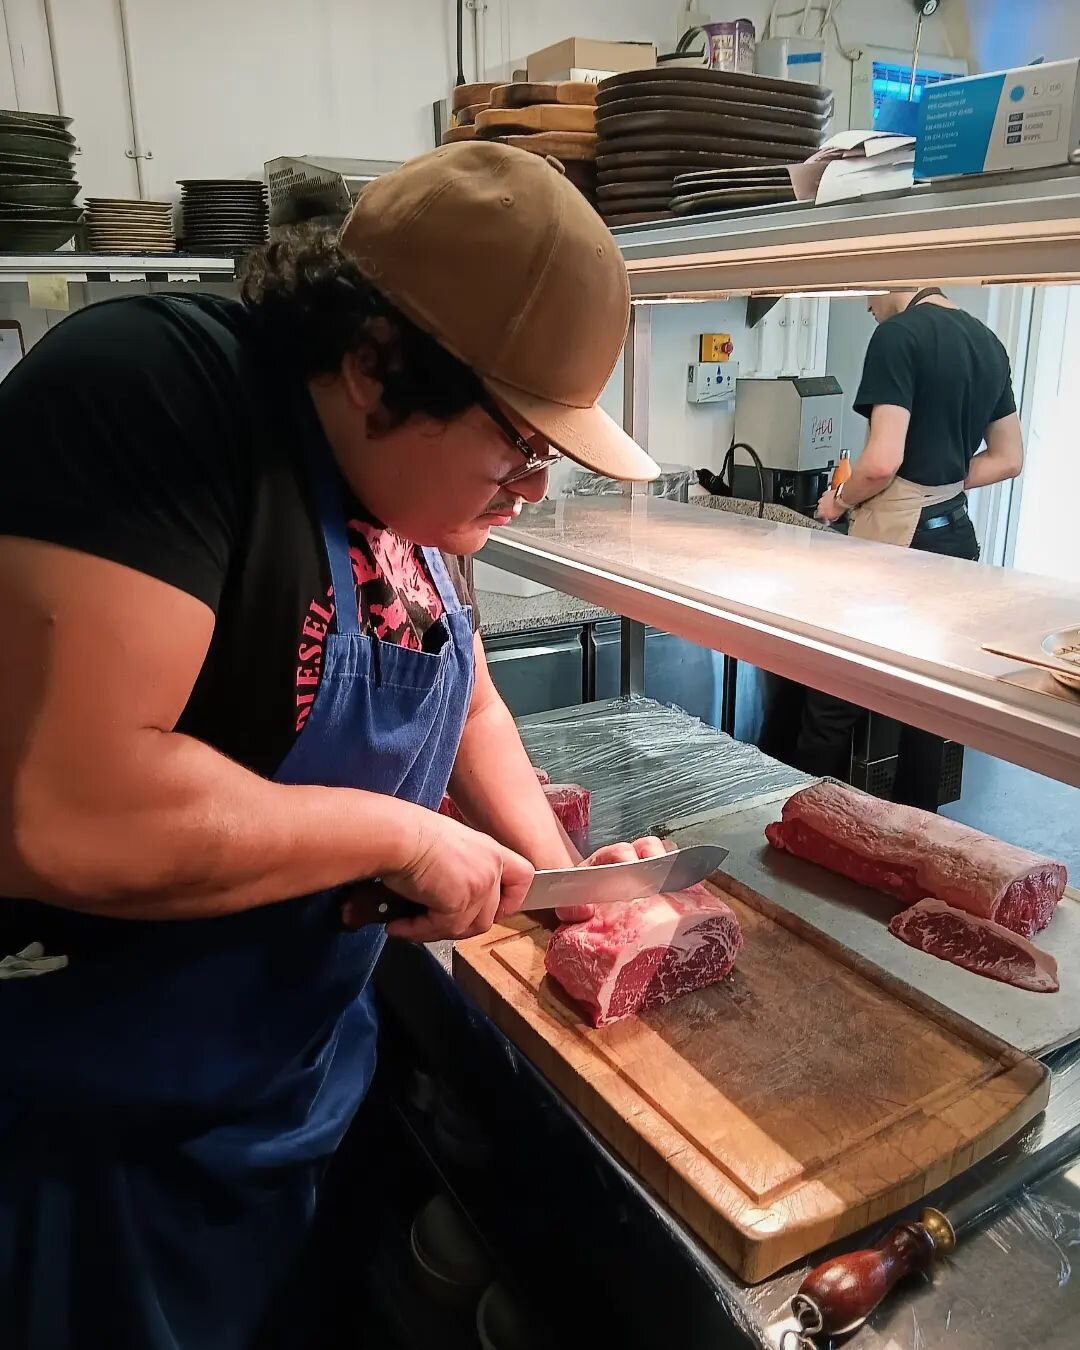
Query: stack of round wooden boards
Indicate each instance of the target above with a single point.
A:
(554, 120)
(737, 132)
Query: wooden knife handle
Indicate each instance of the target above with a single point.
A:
(842, 1293)
(367, 902)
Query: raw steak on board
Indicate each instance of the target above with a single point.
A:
(448, 808)
(571, 805)
(638, 954)
(912, 854)
(976, 944)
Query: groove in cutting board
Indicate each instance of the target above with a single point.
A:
(787, 1106)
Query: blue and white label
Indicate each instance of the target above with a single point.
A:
(1019, 119)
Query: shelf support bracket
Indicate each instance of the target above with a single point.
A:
(635, 422)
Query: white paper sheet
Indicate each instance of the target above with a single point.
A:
(847, 179)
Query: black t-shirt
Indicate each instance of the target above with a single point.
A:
(951, 373)
(159, 432)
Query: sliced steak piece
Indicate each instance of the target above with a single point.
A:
(976, 944)
(447, 806)
(571, 805)
(912, 854)
(639, 954)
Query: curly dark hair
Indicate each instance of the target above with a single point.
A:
(313, 305)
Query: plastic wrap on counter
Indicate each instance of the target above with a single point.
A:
(1011, 1284)
(650, 768)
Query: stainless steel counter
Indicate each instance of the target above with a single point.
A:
(894, 630)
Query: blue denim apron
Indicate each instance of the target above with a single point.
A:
(168, 1102)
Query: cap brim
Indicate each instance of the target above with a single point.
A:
(587, 435)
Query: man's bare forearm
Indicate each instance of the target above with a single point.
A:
(180, 832)
(495, 787)
(864, 483)
(987, 468)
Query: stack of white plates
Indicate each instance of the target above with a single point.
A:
(117, 226)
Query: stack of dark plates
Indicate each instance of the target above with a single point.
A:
(707, 190)
(37, 182)
(223, 215)
(654, 125)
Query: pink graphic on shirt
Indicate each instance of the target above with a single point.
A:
(396, 599)
(400, 562)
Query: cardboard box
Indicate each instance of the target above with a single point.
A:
(580, 58)
(1027, 118)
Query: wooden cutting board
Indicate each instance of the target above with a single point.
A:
(538, 117)
(794, 1103)
(453, 134)
(521, 95)
(465, 95)
(564, 145)
(467, 116)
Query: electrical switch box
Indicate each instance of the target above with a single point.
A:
(711, 381)
(715, 347)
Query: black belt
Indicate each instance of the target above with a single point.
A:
(953, 517)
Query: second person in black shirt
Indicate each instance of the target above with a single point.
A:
(937, 392)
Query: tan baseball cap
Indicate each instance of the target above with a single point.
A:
(502, 260)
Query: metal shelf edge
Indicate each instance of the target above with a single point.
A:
(17, 267)
(1004, 721)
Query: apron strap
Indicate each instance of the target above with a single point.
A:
(441, 577)
(325, 481)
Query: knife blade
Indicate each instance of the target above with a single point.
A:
(612, 882)
(372, 902)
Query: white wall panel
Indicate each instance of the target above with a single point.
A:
(93, 90)
(31, 57)
(8, 98)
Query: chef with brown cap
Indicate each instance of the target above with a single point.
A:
(240, 671)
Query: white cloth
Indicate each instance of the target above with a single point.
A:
(30, 961)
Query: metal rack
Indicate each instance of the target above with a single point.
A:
(762, 593)
(19, 267)
(1017, 227)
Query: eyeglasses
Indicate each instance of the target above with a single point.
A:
(533, 462)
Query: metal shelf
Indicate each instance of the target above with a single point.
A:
(18, 267)
(893, 630)
(1018, 227)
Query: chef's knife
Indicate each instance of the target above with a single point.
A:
(371, 902)
(841, 1294)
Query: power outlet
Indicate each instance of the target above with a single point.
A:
(711, 381)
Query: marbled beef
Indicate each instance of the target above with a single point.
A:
(976, 944)
(638, 954)
(571, 805)
(913, 854)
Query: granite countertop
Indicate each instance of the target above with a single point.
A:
(501, 614)
(743, 506)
